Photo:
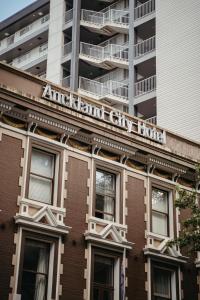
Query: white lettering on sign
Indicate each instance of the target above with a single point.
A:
(114, 117)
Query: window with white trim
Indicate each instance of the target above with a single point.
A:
(35, 267)
(160, 211)
(164, 283)
(105, 195)
(106, 279)
(42, 175)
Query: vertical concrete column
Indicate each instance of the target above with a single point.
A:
(132, 109)
(75, 44)
(55, 42)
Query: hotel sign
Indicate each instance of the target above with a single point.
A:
(113, 117)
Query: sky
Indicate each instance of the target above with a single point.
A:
(9, 7)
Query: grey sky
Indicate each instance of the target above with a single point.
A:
(9, 7)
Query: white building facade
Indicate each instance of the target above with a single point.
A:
(140, 57)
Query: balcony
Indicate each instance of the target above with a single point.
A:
(145, 89)
(152, 120)
(113, 91)
(25, 34)
(66, 81)
(31, 58)
(108, 57)
(106, 22)
(68, 18)
(144, 12)
(144, 50)
(67, 51)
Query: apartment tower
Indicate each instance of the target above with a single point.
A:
(140, 57)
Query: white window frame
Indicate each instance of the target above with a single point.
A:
(173, 280)
(170, 210)
(117, 191)
(56, 173)
(116, 275)
(51, 263)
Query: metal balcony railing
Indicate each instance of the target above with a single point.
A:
(100, 19)
(94, 51)
(116, 89)
(109, 52)
(30, 56)
(66, 81)
(107, 89)
(93, 17)
(145, 47)
(24, 32)
(144, 9)
(152, 120)
(118, 17)
(145, 86)
(67, 49)
(68, 16)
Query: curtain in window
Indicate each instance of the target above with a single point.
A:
(42, 269)
(108, 208)
(162, 283)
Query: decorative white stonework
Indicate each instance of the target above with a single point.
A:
(157, 246)
(107, 233)
(159, 243)
(40, 215)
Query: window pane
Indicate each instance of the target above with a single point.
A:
(159, 223)
(96, 294)
(40, 189)
(42, 163)
(35, 270)
(162, 283)
(105, 183)
(103, 270)
(107, 295)
(160, 200)
(105, 195)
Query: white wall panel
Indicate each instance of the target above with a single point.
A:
(178, 66)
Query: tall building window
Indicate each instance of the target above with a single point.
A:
(103, 278)
(34, 280)
(160, 212)
(41, 176)
(105, 195)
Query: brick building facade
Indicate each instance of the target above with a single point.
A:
(86, 199)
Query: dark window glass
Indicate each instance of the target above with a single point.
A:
(35, 270)
(105, 195)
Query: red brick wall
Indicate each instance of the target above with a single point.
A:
(72, 280)
(10, 170)
(136, 230)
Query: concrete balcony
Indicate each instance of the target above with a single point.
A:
(67, 51)
(25, 34)
(145, 50)
(144, 12)
(108, 57)
(106, 22)
(113, 91)
(145, 89)
(31, 58)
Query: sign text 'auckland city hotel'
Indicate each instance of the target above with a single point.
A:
(114, 117)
